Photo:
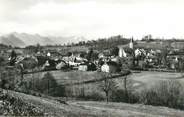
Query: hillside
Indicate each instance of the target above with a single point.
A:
(95, 109)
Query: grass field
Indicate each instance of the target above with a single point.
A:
(146, 79)
(136, 81)
(67, 77)
(76, 82)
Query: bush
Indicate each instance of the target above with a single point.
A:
(9, 78)
(165, 93)
(94, 97)
(121, 95)
(2, 61)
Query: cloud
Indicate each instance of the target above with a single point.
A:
(93, 18)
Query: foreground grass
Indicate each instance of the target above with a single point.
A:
(14, 106)
(94, 109)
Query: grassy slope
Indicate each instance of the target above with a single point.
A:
(96, 109)
(73, 76)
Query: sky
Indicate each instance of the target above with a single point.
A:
(93, 18)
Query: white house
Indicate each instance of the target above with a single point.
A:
(122, 53)
(105, 68)
(110, 67)
(131, 44)
(83, 68)
(48, 54)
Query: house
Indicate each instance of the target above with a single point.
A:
(68, 59)
(122, 52)
(101, 55)
(83, 68)
(110, 67)
(175, 61)
(52, 64)
(88, 66)
(80, 60)
(48, 54)
(61, 65)
(137, 52)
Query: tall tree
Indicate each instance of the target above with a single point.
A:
(107, 85)
(90, 55)
(13, 57)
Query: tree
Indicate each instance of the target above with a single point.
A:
(38, 48)
(2, 61)
(115, 51)
(48, 83)
(164, 54)
(28, 63)
(69, 54)
(9, 78)
(132, 54)
(82, 54)
(90, 54)
(107, 85)
(147, 38)
(125, 88)
(13, 57)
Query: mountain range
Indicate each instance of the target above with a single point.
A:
(23, 39)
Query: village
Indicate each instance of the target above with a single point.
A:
(111, 70)
(134, 55)
(116, 69)
(91, 58)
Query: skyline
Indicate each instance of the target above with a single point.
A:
(93, 18)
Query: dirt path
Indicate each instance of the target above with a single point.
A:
(95, 109)
(133, 110)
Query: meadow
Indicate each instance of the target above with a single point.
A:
(88, 84)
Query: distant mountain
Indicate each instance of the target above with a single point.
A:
(24, 39)
(12, 40)
(65, 40)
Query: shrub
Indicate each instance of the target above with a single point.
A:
(2, 61)
(121, 95)
(93, 96)
(9, 78)
(164, 93)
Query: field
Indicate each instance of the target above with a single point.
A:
(146, 79)
(75, 82)
(67, 106)
(79, 83)
(67, 77)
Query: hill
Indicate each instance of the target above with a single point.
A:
(73, 108)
